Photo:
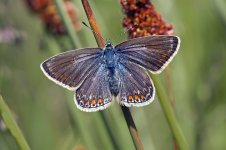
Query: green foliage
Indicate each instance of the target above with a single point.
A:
(42, 108)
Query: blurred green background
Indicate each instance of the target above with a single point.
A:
(46, 113)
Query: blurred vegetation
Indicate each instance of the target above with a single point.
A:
(44, 111)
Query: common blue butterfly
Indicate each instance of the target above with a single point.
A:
(96, 75)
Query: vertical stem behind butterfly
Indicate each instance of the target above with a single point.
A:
(67, 23)
(93, 24)
(126, 112)
(12, 126)
(168, 111)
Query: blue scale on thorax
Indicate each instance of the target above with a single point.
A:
(111, 61)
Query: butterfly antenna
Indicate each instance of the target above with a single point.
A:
(93, 30)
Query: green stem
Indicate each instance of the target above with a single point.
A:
(132, 128)
(169, 114)
(12, 125)
(80, 122)
(67, 22)
(76, 118)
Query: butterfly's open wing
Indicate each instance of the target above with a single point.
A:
(94, 93)
(83, 72)
(71, 68)
(151, 52)
(136, 87)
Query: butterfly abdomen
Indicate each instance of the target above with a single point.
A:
(113, 82)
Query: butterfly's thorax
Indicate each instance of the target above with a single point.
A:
(110, 58)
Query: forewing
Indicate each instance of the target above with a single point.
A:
(71, 68)
(151, 52)
(94, 93)
(136, 87)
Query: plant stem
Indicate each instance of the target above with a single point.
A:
(67, 22)
(132, 128)
(128, 117)
(92, 21)
(169, 86)
(168, 111)
(12, 125)
(78, 120)
(107, 126)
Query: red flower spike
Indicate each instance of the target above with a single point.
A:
(142, 19)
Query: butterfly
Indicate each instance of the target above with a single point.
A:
(97, 75)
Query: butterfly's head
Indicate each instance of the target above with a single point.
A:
(108, 45)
